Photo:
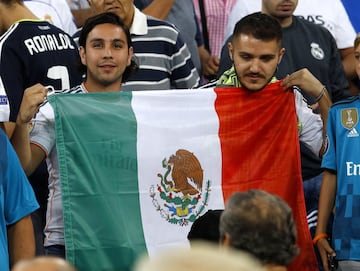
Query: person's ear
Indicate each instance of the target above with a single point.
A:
(82, 54)
(281, 54)
(230, 48)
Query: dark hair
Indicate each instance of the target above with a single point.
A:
(206, 227)
(260, 26)
(357, 41)
(108, 18)
(11, 2)
(261, 224)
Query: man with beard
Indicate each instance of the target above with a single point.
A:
(256, 51)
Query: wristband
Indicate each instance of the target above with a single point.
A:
(318, 237)
(321, 94)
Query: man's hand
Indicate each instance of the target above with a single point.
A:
(325, 251)
(209, 63)
(305, 81)
(33, 97)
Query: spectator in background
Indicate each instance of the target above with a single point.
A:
(181, 13)
(212, 18)
(56, 12)
(261, 224)
(17, 202)
(332, 16)
(163, 57)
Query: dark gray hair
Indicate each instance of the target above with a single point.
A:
(261, 224)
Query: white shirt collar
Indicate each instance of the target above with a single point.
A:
(139, 24)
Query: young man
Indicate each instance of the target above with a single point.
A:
(311, 46)
(17, 202)
(106, 55)
(340, 185)
(256, 52)
(164, 59)
(267, 229)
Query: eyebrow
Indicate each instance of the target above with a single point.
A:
(252, 55)
(100, 39)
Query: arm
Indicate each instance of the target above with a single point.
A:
(80, 15)
(30, 156)
(159, 8)
(21, 240)
(326, 205)
(313, 87)
(209, 63)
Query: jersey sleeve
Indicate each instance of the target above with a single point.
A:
(12, 80)
(43, 129)
(19, 197)
(329, 158)
(311, 132)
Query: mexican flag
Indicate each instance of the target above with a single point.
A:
(137, 168)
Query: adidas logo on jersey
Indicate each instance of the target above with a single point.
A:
(353, 133)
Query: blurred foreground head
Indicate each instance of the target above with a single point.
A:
(261, 224)
(43, 263)
(200, 257)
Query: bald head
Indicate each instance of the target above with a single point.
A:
(44, 263)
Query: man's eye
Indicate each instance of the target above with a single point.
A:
(245, 57)
(357, 57)
(97, 45)
(266, 59)
(118, 46)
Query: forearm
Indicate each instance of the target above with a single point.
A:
(326, 200)
(21, 240)
(159, 8)
(324, 105)
(21, 143)
(80, 15)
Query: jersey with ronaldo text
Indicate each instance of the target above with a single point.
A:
(32, 52)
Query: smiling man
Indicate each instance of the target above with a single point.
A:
(163, 56)
(106, 57)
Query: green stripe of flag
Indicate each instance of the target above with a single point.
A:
(91, 174)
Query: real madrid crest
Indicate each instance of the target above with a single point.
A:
(181, 194)
(349, 119)
(316, 51)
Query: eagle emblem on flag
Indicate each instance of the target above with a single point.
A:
(181, 188)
